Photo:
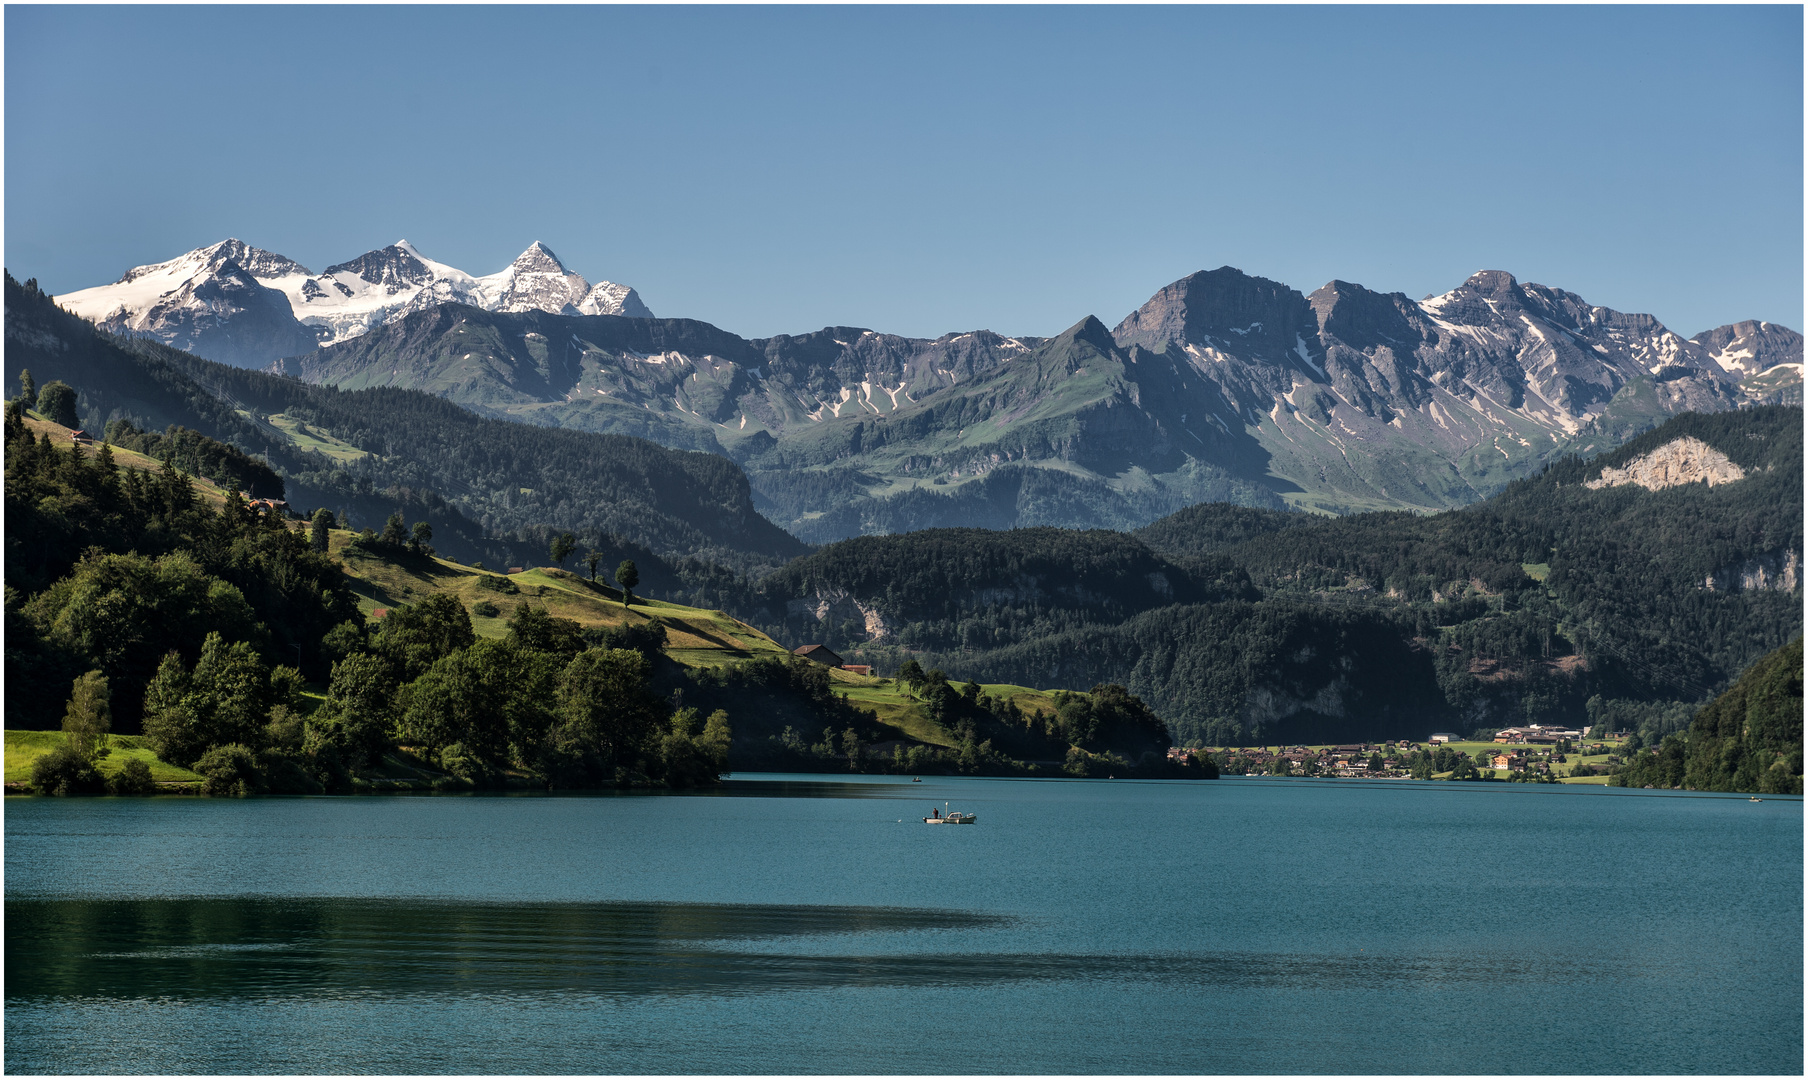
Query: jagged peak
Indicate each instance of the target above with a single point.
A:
(1492, 283)
(1091, 331)
(536, 254)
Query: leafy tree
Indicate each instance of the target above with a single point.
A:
(319, 531)
(533, 628)
(421, 539)
(169, 720)
(395, 531)
(133, 778)
(231, 690)
(56, 403)
(562, 547)
(627, 576)
(230, 769)
(486, 699)
(415, 636)
(28, 387)
(64, 771)
(591, 560)
(910, 673)
(89, 716)
(359, 715)
(606, 706)
(342, 641)
(225, 699)
(695, 751)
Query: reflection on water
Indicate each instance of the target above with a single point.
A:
(259, 948)
(816, 788)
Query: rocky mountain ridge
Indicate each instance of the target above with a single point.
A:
(1223, 386)
(245, 306)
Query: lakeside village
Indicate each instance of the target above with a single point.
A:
(1533, 754)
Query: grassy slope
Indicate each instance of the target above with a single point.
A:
(25, 747)
(307, 437)
(697, 638)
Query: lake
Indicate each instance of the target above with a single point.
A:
(809, 924)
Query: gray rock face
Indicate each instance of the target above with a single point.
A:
(1751, 347)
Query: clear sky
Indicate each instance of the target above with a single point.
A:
(922, 170)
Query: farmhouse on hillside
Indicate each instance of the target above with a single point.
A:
(819, 653)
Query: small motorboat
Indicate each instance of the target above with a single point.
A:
(949, 817)
(916, 779)
(1754, 798)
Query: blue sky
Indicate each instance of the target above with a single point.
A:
(922, 170)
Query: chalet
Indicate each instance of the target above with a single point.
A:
(1509, 761)
(819, 653)
(858, 669)
(80, 436)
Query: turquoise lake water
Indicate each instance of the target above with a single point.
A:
(814, 925)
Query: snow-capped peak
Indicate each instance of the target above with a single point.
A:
(352, 298)
(536, 280)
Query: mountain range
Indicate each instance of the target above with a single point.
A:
(245, 306)
(1222, 387)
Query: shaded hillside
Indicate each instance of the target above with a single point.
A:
(956, 589)
(1747, 739)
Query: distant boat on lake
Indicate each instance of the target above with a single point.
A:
(949, 817)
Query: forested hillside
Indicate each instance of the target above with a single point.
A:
(492, 489)
(1747, 739)
(962, 590)
(1611, 603)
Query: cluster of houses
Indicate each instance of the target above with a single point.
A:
(1349, 759)
(1354, 759)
